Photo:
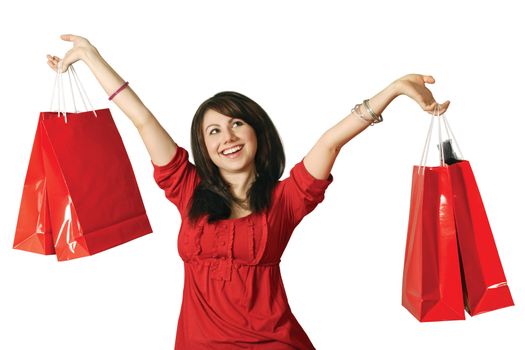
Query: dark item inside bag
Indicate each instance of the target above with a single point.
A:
(448, 153)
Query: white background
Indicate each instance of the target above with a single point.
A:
(307, 64)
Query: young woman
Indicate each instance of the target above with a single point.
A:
(237, 216)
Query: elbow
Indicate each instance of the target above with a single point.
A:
(143, 122)
(330, 145)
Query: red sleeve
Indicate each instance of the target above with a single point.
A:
(302, 192)
(178, 179)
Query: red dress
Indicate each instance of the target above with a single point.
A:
(234, 297)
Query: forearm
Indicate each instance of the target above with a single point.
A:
(321, 157)
(352, 125)
(110, 81)
(159, 144)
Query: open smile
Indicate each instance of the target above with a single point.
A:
(232, 152)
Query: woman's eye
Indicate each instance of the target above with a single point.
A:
(237, 122)
(213, 131)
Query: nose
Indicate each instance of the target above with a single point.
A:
(229, 136)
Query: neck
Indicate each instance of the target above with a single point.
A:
(240, 182)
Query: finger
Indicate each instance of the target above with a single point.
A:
(430, 107)
(52, 58)
(429, 79)
(53, 63)
(53, 66)
(443, 107)
(70, 37)
(62, 67)
(437, 109)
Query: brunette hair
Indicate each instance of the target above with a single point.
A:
(212, 195)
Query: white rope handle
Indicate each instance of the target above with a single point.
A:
(81, 89)
(58, 88)
(441, 152)
(423, 160)
(54, 89)
(426, 148)
(61, 93)
(59, 85)
(71, 90)
(78, 87)
(450, 133)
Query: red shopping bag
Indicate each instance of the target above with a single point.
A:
(33, 230)
(486, 287)
(80, 194)
(432, 289)
(484, 283)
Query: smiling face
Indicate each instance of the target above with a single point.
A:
(231, 142)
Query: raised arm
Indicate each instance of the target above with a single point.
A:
(320, 159)
(159, 144)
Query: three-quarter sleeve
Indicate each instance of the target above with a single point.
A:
(178, 179)
(302, 192)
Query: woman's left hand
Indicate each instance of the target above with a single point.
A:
(413, 86)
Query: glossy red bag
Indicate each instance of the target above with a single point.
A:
(484, 283)
(486, 286)
(432, 288)
(80, 194)
(33, 229)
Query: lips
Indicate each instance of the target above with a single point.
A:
(229, 150)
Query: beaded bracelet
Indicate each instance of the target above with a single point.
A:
(118, 90)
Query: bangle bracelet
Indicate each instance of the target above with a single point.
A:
(118, 90)
(357, 111)
(377, 119)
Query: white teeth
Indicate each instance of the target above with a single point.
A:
(231, 150)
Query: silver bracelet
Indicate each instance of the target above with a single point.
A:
(357, 111)
(377, 119)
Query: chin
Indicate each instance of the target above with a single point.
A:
(237, 167)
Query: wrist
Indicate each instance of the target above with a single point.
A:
(395, 89)
(90, 55)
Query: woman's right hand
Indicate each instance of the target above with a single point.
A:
(160, 145)
(81, 47)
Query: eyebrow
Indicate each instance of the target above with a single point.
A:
(210, 126)
(231, 119)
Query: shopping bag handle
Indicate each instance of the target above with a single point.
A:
(441, 120)
(59, 85)
(451, 136)
(424, 156)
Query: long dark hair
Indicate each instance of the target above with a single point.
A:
(212, 196)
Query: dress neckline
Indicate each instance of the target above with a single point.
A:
(240, 218)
